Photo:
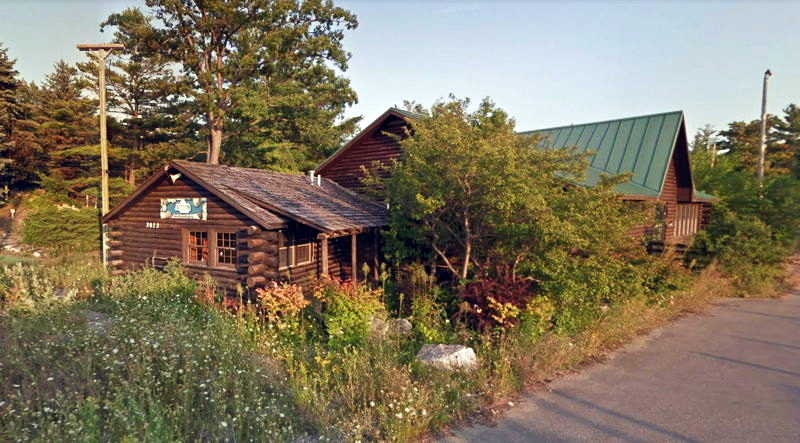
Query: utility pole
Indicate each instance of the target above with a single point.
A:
(101, 52)
(763, 148)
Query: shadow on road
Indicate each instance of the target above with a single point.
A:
(747, 363)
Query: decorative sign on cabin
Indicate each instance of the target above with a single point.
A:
(184, 208)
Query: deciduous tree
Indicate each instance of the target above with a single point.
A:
(479, 195)
(265, 73)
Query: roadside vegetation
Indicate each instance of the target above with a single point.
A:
(504, 257)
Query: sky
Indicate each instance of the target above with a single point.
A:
(546, 63)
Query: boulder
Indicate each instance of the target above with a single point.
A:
(380, 328)
(448, 356)
(401, 326)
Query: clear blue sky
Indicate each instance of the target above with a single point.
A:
(546, 63)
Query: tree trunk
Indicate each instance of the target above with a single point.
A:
(214, 138)
(467, 247)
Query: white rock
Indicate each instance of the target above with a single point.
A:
(448, 356)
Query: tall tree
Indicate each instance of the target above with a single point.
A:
(252, 63)
(789, 147)
(21, 156)
(67, 121)
(10, 110)
(143, 90)
(744, 138)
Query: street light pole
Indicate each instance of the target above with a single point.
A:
(763, 147)
(102, 51)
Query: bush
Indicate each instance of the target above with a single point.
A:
(745, 247)
(281, 302)
(496, 301)
(348, 310)
(58, 226)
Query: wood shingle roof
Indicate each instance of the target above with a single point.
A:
(270, 197)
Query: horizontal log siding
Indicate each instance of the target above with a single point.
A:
(136, 245)
(346, 168)
(669, 196)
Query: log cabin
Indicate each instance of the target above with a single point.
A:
(652, 148)
(245, 227)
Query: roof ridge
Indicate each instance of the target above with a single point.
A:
(268, 171)
(635, 117)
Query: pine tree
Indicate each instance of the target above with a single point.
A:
(20, 154)
(67, 123)
(789, 130)
(10, 111)
(143, 89)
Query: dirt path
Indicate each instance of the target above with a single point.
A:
(730, 375)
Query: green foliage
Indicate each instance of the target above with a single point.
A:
(20, 154)
(263, 76)
(754, 225)
(54, 225)
(348, 311)
(537, 317)
(744, 246)
(428, 305)
(471, 193)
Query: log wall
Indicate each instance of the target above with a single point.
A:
(346, 168)
(139, 237)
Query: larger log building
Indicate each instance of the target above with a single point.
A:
(653, 149)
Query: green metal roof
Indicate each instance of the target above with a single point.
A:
(640, 145)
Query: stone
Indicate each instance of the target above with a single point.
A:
(381, 328)
(401, 326)
(378, 327)
(448, 356)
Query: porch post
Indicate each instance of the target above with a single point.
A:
(375, 263)
(354, 256)
(324, 247)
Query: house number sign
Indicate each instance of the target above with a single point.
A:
(184, 208)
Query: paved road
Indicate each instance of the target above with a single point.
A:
(730, 375)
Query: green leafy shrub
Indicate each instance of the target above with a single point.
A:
(59, 226)
(428, 304)
(745, 247)
(537, 317)
(348, 310)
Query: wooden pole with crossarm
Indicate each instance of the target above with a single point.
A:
(101, 51)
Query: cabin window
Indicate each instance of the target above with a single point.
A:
(210, 248)
(226, 248)
(198, 246)
(297, 248)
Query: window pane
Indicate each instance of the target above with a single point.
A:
(198, 246)
(226, 248)
(226, 256)
(283, 257)
(302, 253)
